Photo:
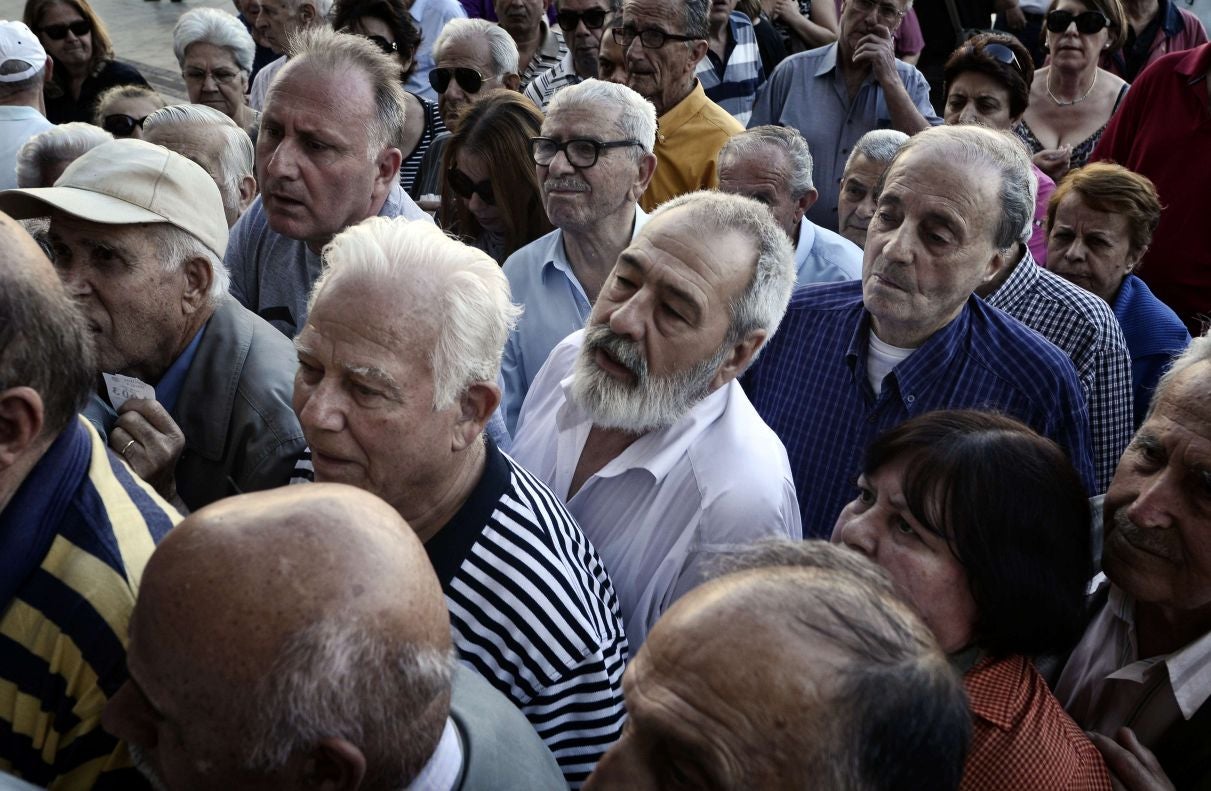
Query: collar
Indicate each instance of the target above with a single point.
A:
(1195, 64)
(168, 389)
(552, 41)
(1171, 20)
(19, 112)
(450, 547)
(807, 238)
(997, 689)
(444, 769)
(1021, 282)
(827, 61)
(681, 113)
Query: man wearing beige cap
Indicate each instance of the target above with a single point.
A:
(24, 67)
(138, 233)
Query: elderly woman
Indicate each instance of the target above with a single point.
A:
(121, 110)
(983, 527)
(1100, 221)
(73, 35)
(490, 194)
(1073, 99)
(988, 82)
(215, 53)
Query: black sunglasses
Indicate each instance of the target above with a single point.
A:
(469, 80)
(464, 187)
(388, 47)
(1087, 22)
(120, 125)
(594, 18)
(81, 27)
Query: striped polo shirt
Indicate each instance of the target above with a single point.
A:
(732, 82)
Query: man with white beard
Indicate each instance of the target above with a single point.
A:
(637, 422)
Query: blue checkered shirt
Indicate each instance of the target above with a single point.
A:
(810, 386)
(1084, 328)
(733, 83)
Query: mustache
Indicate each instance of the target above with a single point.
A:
(569, 183)
(1163, 543)
(624, 352)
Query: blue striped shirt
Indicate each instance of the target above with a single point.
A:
(732, 82)
(810, 386)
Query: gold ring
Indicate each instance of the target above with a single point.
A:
(128, 444)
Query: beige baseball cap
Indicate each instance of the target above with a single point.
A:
(131, 181)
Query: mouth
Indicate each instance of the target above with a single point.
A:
(883, 280)
(326, 464)
(612, 367)
(1158, 543)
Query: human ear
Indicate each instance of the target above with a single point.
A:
(476, 406)
(21, 419)
(198, 278)
(738, 359)
(333, 765)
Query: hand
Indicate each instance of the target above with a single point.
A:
(1015, 18)
(1132, 766)
(784, 9)
(877, 50)
(151, 442)
(1054, 161)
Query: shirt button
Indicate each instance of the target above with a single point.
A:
(910, 398)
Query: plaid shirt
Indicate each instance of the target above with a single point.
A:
(733, 83)
(1084, 328)
(552, 81)
(810, 386)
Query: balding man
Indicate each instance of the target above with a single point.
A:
(275, 23)
(76, 528)
(298, 639)
(24, 69)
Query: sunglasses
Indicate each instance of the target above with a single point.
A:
(593, 19)
(120, 125)
(1087, 22)
(1002, 54)
(469, 80)
(388, 47)
(464, 187)
(81, 27)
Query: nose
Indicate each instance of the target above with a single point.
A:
(74, 281)
(969, 115)
(282, 163)
(209, 83)
(322, 406)
(627, 320)
(559, 166)
(1152, 507)
(857, 531)
(866, 207)
(1076, 250)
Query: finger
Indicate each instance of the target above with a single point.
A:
(153, 412)
(1127, 738)
(119, 439)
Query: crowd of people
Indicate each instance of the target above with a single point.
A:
(610, 394)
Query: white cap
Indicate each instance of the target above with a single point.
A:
(18, 42)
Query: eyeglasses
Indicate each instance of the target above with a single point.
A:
(120, 125)
(469, 80)
(464, 187)
(886, 13)
(581, 152)
(1087, 22)
(593, 19)
(388, 47)
(220, 76)
(650, 37)
(81, 27)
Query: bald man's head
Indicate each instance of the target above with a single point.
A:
(290, 631)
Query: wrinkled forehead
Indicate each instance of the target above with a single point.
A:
(582, 121)
(652, 13)
(469, 51)
(1187, 400)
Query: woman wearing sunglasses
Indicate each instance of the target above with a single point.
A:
(72, 34)
(490, 193)
(121, 110)
(1072, 99)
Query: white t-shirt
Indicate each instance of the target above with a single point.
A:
(881, 359)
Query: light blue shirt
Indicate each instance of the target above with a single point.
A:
(543, 283)
(17, 125)
(823, 256)
(430, 16)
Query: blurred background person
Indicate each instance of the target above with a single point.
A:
(216, 53)
(24, 69)
(47, 154)
(803, 24)
(612, 56)
(1155, 28)
(121, 110)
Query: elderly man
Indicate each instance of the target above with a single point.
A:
(216, 143)
(395, 402)
(276, 22)
(637, 423)
(1143, 662)
(329, 667)
(854, 359)
(466, 46)
(664, 43)
(76, 528)
(772, 165)
(326, 159)
(539, 46)
(137, 232)
(584, 21)
(594, 161)
(806, 672)
(864, 167)
(612, 57)
(430, 16)
(837, 93)
(24, 68)
(731, 73)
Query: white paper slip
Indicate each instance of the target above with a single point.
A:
(122, 388)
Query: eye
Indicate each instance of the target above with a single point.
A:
(316, 145)
(1062, 236)
(903, 527)
(866, 495)
(671, 312)
(308, 372)
(955, 102)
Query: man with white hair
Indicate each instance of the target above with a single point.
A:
(24, 68)
(772, 165)
(431, 16)
(594, 159)
(276, 22)
(637, 422)
(327, 158)
(137, 232)
(864, 167)
(47, 154)
(214, 142)
(398, 363)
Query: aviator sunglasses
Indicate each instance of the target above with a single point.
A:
(469, 80)
(81, 27)
(1087, 22)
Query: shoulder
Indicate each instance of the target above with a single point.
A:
(756, 465)
(1075, 306)
(822, 299)
(1015, 353)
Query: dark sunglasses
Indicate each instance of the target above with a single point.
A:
(81, 27)
(464, 187)
(388, 47)
(594, 19)
(469, 80)
(120, 125)
(1087, 22)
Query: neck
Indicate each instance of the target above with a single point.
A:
(527, 41)
(1000, 278)
(719, 30)
(1162, 630)
(243, 116)
(592, 251)
(376, 205)
(679, 97)
(1067, 85)
(434, 511)
(908, 334)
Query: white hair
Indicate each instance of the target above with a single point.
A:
(878, 145)
(236, 159)
(63, 143)
(757, 141)
(174, 247)
(471, 293)
(212, 26)
(502, 50)
(636, 115)
(1199, 351)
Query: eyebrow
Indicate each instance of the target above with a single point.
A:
(377, 375)
(679, 294)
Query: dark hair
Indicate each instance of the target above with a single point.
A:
(102, 48)
(1014, 512)
(695, 18)
(972, 57)
(391, 13)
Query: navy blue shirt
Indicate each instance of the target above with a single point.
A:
(810, 386)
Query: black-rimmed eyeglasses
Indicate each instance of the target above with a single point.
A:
(581, 152)
(649, 37)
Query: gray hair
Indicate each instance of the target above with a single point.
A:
(471, 293)
(878, 145)
(755, 142)
(125, 92)
(1199, 351)
(64, 143)
(810, 554)
(236, 160)
(502, 50)
(348, 678)
(636, 115)
(174, 247)
(696, 18)
(975, 146)
(16, 66)
(212, 26)
(761, 305)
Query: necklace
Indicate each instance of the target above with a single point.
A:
(1070, 102)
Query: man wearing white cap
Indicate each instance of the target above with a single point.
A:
(138, 233)
(24, 67)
